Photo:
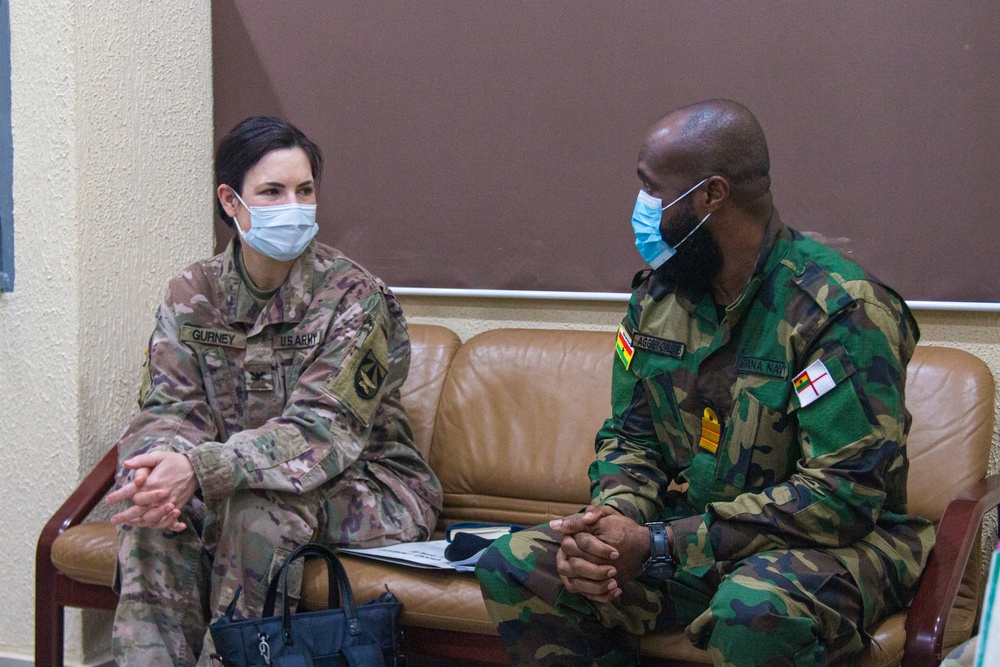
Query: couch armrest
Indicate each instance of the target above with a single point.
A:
(48, 602)
(78, 505)
(956, 535)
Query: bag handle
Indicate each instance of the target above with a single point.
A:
(335, 571)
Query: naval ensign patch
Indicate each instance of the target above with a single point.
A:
(812, 383)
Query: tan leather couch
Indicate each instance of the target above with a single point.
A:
(507, 420)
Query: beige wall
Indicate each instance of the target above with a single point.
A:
(112, 190)
(112, 123)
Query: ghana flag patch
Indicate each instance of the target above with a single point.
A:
(624, 347)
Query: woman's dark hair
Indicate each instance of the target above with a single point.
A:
(251, 140)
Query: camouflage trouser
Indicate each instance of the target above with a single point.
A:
(173, 584)
(793, 607)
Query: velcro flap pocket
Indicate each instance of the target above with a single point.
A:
(361, 381)
(839, 416)
(274, 448)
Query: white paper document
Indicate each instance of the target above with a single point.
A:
(427, 555)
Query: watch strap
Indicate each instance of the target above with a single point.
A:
(659, 548)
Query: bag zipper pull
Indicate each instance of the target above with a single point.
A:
(264, 648)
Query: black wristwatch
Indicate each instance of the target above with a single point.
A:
(660, 564)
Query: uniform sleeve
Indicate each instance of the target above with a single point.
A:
(174, 413)
(326, 423)
(632, 469)
(852, 438)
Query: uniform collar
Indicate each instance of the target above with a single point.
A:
(287, 305)
(773, 248)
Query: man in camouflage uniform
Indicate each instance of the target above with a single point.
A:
(287, 405)
(751, 483)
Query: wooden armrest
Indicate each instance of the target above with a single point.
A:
(956, 535)
(48, 605)
(81, 501)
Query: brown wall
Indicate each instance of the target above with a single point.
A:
(479, 144)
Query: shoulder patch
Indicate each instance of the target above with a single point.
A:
(360, 381)
(369, 377)
(813, 382)
(623, 346)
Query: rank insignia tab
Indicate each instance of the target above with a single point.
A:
(711, 430)
(258, 377)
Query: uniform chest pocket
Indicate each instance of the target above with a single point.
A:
(760, 447)
(664, 415)
(220, 389)
(291, 368)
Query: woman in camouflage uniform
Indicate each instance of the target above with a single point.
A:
(270, 412)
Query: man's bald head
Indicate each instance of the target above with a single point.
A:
(713, 137)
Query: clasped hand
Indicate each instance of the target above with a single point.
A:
(162, 483)
(600, 551)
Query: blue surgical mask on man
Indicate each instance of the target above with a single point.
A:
(279, 232)
(647, 216)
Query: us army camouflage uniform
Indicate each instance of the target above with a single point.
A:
(793, 537)
(289, 411)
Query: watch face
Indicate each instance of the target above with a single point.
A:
(659, 570)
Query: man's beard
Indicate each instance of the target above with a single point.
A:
(698, 259)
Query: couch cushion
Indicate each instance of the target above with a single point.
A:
(437, 599)
(87, 552)
(516, 424)
(441, 600)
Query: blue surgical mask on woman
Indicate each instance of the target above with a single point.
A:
(279, 232)
(647, 216)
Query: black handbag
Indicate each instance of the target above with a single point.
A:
(352, 635)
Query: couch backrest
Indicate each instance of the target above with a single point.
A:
(950, 394)
(520, 409)
(433, 348)
(516, 424)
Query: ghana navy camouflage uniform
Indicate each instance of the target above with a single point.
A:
(289, 411)
(793, 537)
(963, 655)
